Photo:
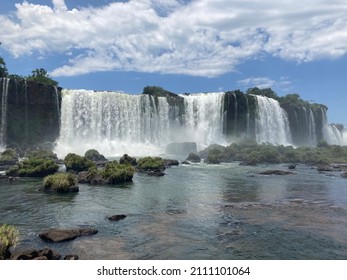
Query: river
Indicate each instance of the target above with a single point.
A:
(195, 211)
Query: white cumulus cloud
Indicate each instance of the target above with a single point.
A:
(201, 37)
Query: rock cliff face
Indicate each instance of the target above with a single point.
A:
(29, 111)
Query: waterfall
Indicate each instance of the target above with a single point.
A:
(112, 122)
(116, 123)
(203, 118)
(331, 133)
(4, 85)
(272, 125)
(312, 129)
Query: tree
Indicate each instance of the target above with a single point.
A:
(40, 75)
(3, 69)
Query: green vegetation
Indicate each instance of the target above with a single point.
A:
(60, 182)
(37, 75)
(8, 157)
(252, 153)
(157, 91)
(213, 156)
(34, 167)
(42, 154)
(117, 173)
(8, 238)
(150, 163)
(3, 69)
(77, 163)
(125, 159)
(41, 76)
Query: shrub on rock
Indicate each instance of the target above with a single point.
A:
(77, 163)
(117, 173)
(150, 163)
(213, 157)
(8, 238)
(42, 154)
(125, 159)
(8, 157)
(34, 167)
(60, 182)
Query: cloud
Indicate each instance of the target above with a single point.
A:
(199, 38)
(261, 82)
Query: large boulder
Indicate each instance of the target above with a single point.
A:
(181, 149)
(8, 157)
(94, 155)
(60, 235)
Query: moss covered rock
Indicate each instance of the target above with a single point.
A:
(76, 163)
(34, 167)
(150, 164)
(125, 159)
(193, 157)
(8, 238)
(115, 173)
(8, 157)
(60, 182)
(42, 154)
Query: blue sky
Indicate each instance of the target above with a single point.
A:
(184, 46)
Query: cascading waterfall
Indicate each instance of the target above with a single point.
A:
(117, 123)
(272, 125)
(331, 134)
(203, 118)
(312, 129)
(4, 83)
(112, 122)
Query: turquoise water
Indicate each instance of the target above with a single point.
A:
(198, 211)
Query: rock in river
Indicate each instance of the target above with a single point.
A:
(59, 235)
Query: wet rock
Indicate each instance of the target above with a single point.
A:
(170, 162)
(117, 217)
(185, 162)
(275, 172)
(292, 166)
(71, 257)
(44, 254)
(156, 173)
(60, 235)
(193, 157)
(344, 175)
(325, 168)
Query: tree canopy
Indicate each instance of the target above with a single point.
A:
(39, 75)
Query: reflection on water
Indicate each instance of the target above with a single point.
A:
(194, 212)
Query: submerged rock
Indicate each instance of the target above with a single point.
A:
(60, 235)
(170, 162)
(117, 217)
(156, 173)
(275, 172)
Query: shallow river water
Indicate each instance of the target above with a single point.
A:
(198, 211)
